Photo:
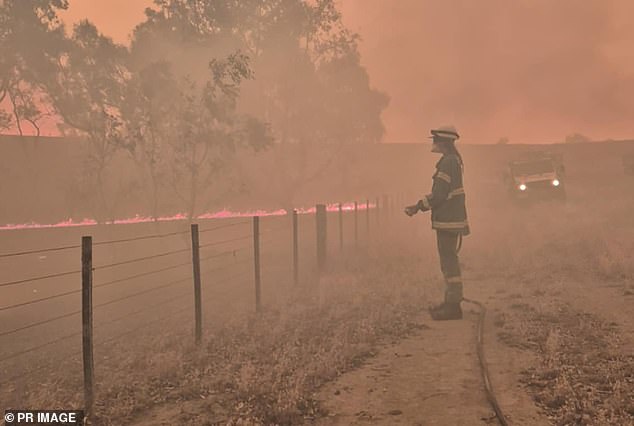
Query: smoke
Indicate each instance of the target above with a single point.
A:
(529, 70)
(532, 70)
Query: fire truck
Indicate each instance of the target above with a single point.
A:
(540, 176)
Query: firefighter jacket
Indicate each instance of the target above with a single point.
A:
(447, 198)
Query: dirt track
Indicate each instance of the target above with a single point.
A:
(433, 378)
(415, 382)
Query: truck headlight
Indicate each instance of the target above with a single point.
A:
(556, 182)
(522, 187)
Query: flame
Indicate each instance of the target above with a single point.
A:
(222, 214)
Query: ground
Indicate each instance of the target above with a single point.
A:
(354, 344)
(432, 378)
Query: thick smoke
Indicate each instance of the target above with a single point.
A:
(531, 70)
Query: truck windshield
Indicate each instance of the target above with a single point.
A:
(533, 167)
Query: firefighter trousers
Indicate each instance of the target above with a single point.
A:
(450, 265)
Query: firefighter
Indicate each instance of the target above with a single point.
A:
(448, 218)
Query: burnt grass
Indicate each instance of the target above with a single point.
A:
(584, 376)
(255, 368)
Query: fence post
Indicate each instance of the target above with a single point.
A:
(356, 224)
(295, 249)
(386, 209)
(256, 261)
(321, 236)
(367, 219)
(86, 319)
(198, 330)
(340, 227)
(379, 210)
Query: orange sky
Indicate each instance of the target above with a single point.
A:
(116, 18)
(530, 70)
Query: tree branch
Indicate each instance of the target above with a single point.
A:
(57, 105)
(3, 89)
(35, 126)
(71, 122)
(31, 118)
(15, 113)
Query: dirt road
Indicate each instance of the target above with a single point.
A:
(431, 378)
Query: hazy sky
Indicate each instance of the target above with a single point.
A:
(530, 70)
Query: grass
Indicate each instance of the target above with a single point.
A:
(584, 374)
(583, 377)
(252, 369)
(551, 242)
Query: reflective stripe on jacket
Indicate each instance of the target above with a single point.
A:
(447, 198)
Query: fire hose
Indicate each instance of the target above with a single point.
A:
(484, 369)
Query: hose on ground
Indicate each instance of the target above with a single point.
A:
(484, 369)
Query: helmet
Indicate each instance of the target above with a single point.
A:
(445, 133)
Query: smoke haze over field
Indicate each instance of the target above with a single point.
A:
(533, 71)
(530, 70)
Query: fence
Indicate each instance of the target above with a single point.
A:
(120, 289)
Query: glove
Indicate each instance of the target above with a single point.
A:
(411, 210)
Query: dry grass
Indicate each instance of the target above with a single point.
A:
(583, 377)
(253, 369)
(545, 256)
(550, 242)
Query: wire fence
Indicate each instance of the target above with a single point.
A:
(241, 250)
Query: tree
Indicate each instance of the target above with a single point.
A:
(32, 40)
(206, 129)
(87, 91)
(309, 84)
(78, 78)
(202, 80)
(183, 132)
(577, 138)
(147, 112)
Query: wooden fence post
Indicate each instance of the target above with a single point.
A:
(197, 290)
(386, 209)
(367, 219)
(356, 224)
(86, 319)
(295, 249)
(321, 236)
(340, 227)
(256, 261)
(379, 210)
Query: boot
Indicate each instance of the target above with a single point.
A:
(437, 306)
(446, 311)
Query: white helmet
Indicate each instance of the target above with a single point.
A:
(448, 132)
